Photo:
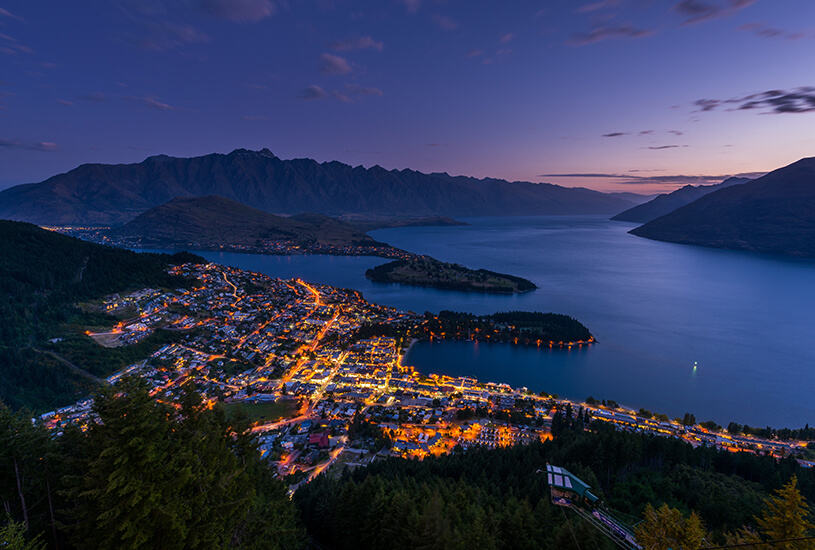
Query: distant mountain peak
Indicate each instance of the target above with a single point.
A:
(104, 194)
(159, 158)
(668, 202)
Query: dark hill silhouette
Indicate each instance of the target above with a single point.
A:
(105, 194)
(668, 202)
(774, 213)
(215, 221)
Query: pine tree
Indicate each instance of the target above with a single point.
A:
(150, 475)
(12, 537)
(22, 475)
(786, 517)
(666, 528)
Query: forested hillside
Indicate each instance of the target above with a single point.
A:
(147, 474)
(497, 498)
(144, 474)
(42, 276)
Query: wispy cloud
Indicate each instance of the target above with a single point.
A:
(351, 93)
(95, 97)
(10, 46)
(672, 180)
(149, 101)
(412, 5)
(363, 90)
(239, 11)
(582, 175)
(153, 24)
(506, 37)
(339, 96)
(45, 146)
(765, 31)
(5, 13)
(799, 100)
(161, 35)
(641, 133)
(607, 32)
(601, 4)
(698, 11)
(357, 43)
(443, 22)
(334, 64)
(660, 147)
(312, 93)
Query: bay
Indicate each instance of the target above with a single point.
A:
(747, 321)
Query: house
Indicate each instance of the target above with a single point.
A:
(318, 438)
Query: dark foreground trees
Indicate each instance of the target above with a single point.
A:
(146, 474)
(496, 499)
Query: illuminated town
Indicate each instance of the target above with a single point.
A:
(322, 389)
(269, 247)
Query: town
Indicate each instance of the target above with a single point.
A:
(270, 247)
(319, 372)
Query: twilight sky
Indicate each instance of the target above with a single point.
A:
(636, 95)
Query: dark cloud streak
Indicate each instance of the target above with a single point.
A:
(765, 31)
(673, 180)
(800, 100)
(599, 34)
(44, 146)
(699, 11)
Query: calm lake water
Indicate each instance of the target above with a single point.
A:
(747, 320)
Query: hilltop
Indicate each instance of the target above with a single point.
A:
(212, 221)
(103, 194)
(668, 202)
(774, 213)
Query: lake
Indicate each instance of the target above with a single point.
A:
(747, 321)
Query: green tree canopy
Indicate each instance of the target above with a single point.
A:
(667, 529)
(787, 517)
(151, 475)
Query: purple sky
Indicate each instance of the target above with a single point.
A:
(636, 95)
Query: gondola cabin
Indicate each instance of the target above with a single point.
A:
(567, 489)
(570, 491)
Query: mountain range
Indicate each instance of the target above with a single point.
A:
(102, 194)
(774, 213)
(218, 221)
(668, 202)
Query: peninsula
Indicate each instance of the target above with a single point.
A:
(426, 271)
